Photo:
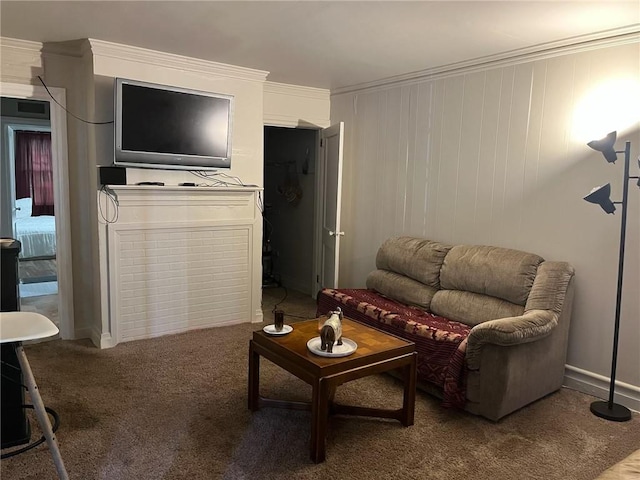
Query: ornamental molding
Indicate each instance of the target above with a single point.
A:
(170, 60)
(583, 43)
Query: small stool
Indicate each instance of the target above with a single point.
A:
(16, 327)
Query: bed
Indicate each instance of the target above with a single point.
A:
(36, 234)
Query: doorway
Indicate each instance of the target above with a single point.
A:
(28, 180)
(26, 108)
(289, 208)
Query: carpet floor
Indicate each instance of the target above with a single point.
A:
(175, 407)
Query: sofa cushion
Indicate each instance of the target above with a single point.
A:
(400, 288)
(494, 271)
(416, 258)
(472, 308)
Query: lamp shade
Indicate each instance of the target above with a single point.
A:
(605, 146)
(600, 196)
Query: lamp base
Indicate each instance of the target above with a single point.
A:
(617, 413)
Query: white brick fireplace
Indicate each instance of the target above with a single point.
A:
(177, 259)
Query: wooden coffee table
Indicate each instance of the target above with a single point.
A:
(377, 352)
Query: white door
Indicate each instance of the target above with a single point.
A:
(330, 183)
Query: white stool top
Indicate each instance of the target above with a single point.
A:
(20, 326)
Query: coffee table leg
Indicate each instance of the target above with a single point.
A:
(409, 401)
(319, 416)
(254, 379)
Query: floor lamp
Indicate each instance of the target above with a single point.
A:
(600, 196)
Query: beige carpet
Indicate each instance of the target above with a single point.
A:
(175, 407)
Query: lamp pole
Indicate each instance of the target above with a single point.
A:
(610, 410)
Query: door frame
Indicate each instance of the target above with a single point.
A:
(318, 199)
(60, 191)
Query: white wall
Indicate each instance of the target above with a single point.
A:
(108, 61)
(246, 85)
(490, 155)
(86, 69)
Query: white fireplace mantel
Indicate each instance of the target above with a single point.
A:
(176, 258)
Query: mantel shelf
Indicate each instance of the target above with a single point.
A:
(169, 188)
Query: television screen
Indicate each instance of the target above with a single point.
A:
(159, 126)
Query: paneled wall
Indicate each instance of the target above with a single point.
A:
(496, 155)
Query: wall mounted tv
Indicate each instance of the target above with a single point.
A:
(158, 126)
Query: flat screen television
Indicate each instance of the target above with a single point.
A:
(158, 126)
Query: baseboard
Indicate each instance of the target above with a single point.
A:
(598, 386)
(99, 339)
(84, 332)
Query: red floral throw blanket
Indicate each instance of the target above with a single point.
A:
(440, 343)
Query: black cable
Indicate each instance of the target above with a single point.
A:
(113, 197)
(56, 424)
(275, 307)
(286, 292)
(64, 108)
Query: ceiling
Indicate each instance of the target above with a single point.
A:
(328, 44)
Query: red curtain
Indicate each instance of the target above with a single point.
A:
(34, 170)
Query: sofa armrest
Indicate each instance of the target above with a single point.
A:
(529, 327)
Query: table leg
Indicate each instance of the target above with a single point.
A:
(319, 417)
(41, 413)
(254, 379)
(409, 400)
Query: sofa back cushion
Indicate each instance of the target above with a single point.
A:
(472, 308)
(480, 283)
(417, 258)
(408, 270)
(494, 271)
(400, 288)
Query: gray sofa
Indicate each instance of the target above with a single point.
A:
(511, 310)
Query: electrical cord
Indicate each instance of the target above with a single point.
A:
(275, 307)
(113, 198)
(56, 424)
(72, 114)
(220, 179)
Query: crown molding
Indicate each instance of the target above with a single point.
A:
(296, 90)
(20, 61)
(21, 44)
(71, 48)
(294, 121)
(583, 43)
(170, 60)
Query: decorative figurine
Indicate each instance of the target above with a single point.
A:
(331, 332)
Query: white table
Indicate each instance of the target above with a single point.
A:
(17, 327)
